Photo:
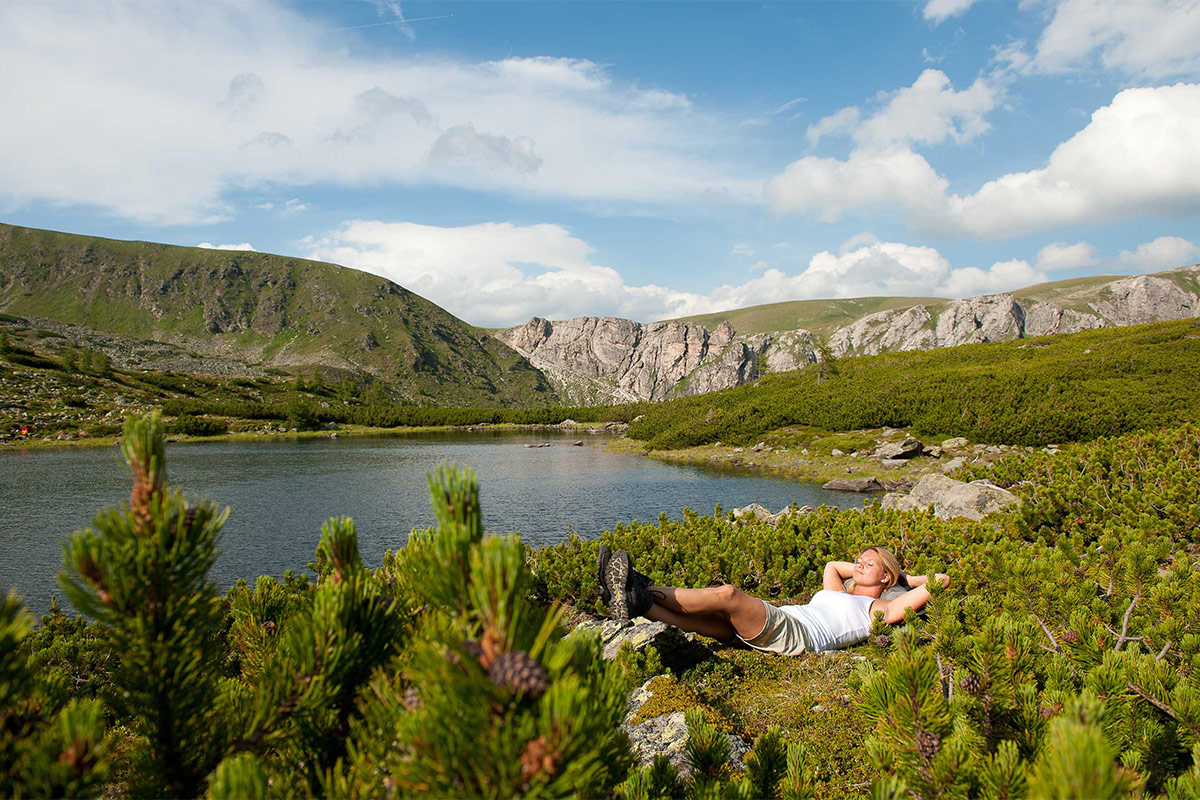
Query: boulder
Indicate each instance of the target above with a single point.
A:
(909, 448)
(760, 513)
(678, 650)
(854, 485)
(955, 443)
(953, 464)
(666, 734)
(893, 463)
(951, 498)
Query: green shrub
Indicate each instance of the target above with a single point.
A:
(199, 426)
(1066, 388)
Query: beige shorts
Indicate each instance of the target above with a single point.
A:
(783, 634)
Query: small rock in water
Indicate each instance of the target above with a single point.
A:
(578, 443)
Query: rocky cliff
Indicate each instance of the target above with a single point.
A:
(604, 359)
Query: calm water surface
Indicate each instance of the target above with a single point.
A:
(282, 491)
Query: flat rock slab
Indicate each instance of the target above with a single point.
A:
(678, 650)
(951, 498)
(854, 485)
(667, 735)
(909, 448)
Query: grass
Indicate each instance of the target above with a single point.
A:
(819, 316)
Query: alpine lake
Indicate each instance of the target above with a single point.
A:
(282, 490)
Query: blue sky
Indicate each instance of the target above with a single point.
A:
(641, 159)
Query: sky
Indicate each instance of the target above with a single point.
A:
(648, 160)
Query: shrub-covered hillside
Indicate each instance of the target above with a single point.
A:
(1026, 392)
(1062, 661)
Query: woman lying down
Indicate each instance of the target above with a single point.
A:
(839, 615)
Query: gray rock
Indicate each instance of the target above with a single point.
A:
(893, 463)
(989, 318)
(955, 443)
(951, 498)
(953, 464)
(666, 734)
(597, 359)
(933, 452)
(836, 452)
(909, 448)
(854, 485)
(678, 650)
(760, 513)
(1044, 319)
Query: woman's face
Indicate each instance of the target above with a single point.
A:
(868, 569)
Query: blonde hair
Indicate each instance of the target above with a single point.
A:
(892, 570)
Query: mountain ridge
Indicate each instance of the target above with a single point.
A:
(265, 311)
(692, 360)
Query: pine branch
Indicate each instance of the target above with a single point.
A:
(1124, 637)
(1049, 635)
(1163, 653)
(1161, 706)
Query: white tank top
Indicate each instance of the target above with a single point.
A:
(833, 620)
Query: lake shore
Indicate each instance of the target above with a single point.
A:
(826, 463)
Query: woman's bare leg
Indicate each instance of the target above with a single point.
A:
(745, 613)
(716, 626)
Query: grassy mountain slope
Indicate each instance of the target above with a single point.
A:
(264, 310)
(819, 316)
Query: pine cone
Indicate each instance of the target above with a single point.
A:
(1071, 637)
(928, 745)
(520, 674)
(971, 683)
(883, 640)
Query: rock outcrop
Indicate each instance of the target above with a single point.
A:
(666, 734)
(951, 498)
(677, 650)
(628, 361)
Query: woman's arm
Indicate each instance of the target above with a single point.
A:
(835, 573)
(916, 598)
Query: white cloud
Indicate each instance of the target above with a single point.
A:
(742, 249)
(500, 274)
(252, 95)
(928, 112)
(1137, 156)
(828, 187)
(242, 246)
(1058, 256)
(1165, 252)
(265, 206)
(840, 123)
(937, 11)
(1145, 38)
(1000, 277)
(294, 206)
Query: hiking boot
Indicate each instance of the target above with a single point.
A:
(616, 581)
(640, 596)
(601, 566)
